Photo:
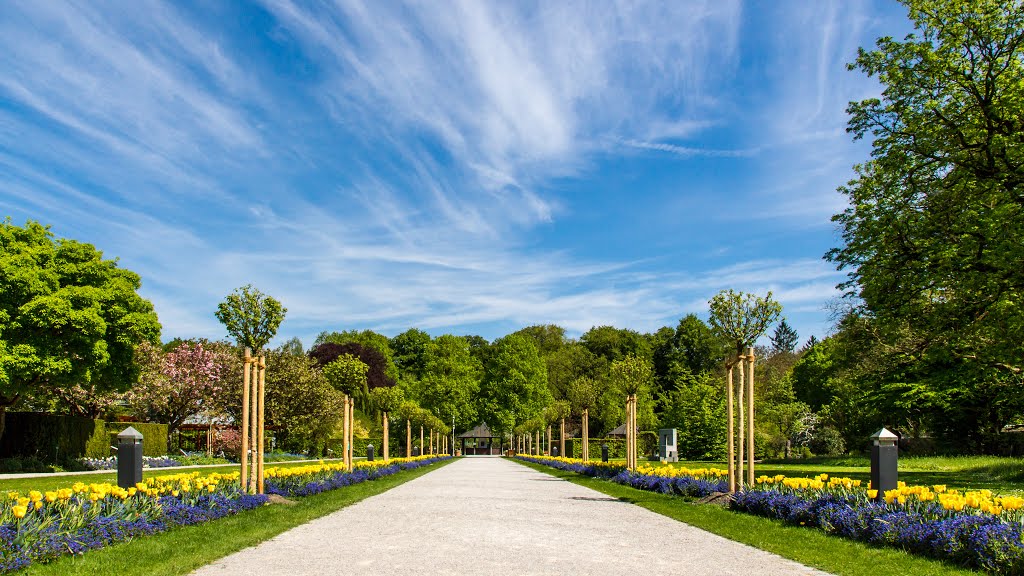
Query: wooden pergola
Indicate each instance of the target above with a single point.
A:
(480, 441)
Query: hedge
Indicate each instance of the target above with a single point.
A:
(154, 436)
(56, 438)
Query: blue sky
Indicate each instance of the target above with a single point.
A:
(463, 167)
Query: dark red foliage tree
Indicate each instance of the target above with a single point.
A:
(376, 376)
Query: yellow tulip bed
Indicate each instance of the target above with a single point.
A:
(42, 525)
(323, 476)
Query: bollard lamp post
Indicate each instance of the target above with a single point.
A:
(369, 452)
(883, 462)
(604, 452)
(129, 458)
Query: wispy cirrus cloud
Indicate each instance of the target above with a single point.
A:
(391, 164)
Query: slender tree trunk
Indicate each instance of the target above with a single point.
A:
(750, 418)
(408, 438)
(729, 393)
(561, 439)
(586, 434)
(384, 449)
(742, 435)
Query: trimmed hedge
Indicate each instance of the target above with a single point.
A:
(53, 438)
(154, 436)
(56, 438)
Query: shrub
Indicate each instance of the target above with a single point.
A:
(827, 441)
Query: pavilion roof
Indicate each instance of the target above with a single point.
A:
(481, 431)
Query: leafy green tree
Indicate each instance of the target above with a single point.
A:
(582, 394)
(515, 386)
(292, 346)
(570, 362)
(742, 318)
(616, 343)
(347, 374)
(932, 234)
(451, 381)
(632, 374)
(303, 409)
(251, 317)
(697, 410)
(784, 339)
(67, 316)
(547, 338)
(410, 348)
(693, 349)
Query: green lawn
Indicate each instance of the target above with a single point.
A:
(184, 549)
(999, 474)
(55, 481)
(805, 545)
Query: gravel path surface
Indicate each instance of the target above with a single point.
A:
(495, 517)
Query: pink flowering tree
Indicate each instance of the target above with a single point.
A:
(181, 384)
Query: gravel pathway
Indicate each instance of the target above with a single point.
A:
(495, 517)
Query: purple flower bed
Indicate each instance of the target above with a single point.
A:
(300, 486)
(110, 462)
(976, 541)
(17, 553)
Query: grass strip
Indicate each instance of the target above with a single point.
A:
(807, 546)
(184, 549)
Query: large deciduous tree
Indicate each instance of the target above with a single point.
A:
(515, 386)
(451, 381)
(303, 408)
(251, 317)
(932, 234)
(67, 316)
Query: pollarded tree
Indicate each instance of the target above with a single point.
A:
(583, 394)
(387, 400)
(347, 374)
(67, 316)
(742, 318)
(632, 375)
(251, 317)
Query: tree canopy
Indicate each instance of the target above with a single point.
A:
(67, 315)
(742, 318)
(251, 317)
(515, 386)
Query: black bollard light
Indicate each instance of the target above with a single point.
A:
(129, 458)
(604, 452)
(554, 451)
(369, 452)
(884, 474)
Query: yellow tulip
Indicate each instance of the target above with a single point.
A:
(19, 511)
